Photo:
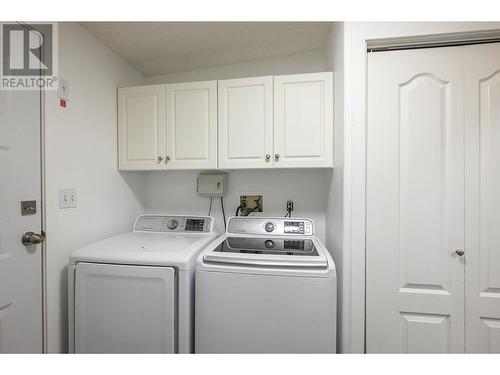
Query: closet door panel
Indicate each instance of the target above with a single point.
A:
(482, 252)
(415, 209)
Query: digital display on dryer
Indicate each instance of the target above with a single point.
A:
(194, 225)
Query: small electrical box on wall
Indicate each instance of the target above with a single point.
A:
(211, 184)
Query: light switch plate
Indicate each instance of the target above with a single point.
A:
(67, 198)
(211, 184)
(63, 89)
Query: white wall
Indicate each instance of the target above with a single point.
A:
(355, 73)
(81, 153)
(301, 63)
(175, 192)
(334, 208)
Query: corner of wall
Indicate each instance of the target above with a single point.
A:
(81, 153)
(334, 211)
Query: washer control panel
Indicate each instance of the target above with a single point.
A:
(270, 226)
(164, 223)
(297, 227)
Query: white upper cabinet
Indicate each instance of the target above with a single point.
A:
(141, 127)
(258, 122)
(191, 136)
(303, 120)
(246, 123)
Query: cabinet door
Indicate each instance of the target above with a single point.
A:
(415, 202)
(303, 120)
(141, 127)
(191, 135)
(246, 123)
(482, 248)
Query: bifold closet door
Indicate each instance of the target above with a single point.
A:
(415, 202)
(482, 249)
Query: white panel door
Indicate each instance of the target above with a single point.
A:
(303, 120)
(124, 309)
(192, 125)
(482, 249)
(246, 123)
(20, 266)
(415, 202)
(141, 127)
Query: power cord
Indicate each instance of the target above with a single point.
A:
(289, 208)
(223, 211)
(210, 207)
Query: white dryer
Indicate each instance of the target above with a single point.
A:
(134, 293)
(267, 286)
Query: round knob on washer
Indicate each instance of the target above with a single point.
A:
(172, 224)
(269, 244)
(269, 227)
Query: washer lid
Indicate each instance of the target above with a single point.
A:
(268, 252)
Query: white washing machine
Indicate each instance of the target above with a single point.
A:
(267, 286)
(134, 293)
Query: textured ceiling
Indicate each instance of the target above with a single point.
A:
(166, 47)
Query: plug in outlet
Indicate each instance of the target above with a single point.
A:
(254, 202)
(67, 198)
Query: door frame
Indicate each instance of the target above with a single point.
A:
(357, 39)
(43, 219)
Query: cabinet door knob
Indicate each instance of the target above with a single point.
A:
(460, 252)
(167, 158)
(160, 158)
(268, 157)
(276, 156)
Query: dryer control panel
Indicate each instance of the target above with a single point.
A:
(165, 223)
(270, 226)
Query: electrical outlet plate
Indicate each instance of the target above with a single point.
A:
(252, 201)
(67, 198)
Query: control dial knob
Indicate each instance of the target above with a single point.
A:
(269, 244)
(269, 227)
(172, 224)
